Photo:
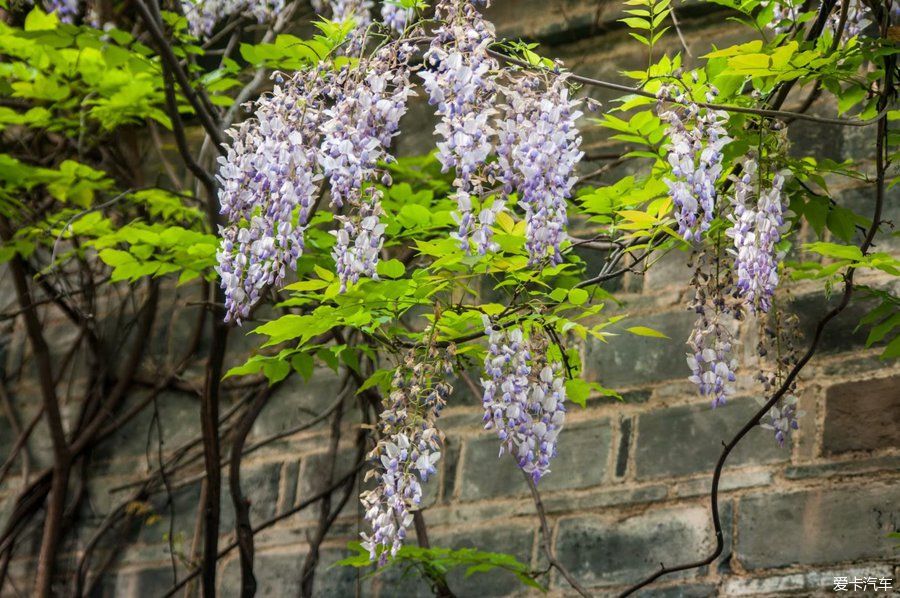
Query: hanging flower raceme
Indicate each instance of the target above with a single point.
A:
(395, 16)
(696, 139)
(357, 131)
(783, 419)
(66, 10)
(459, 79)
(857, 19)
(524, 397)
(711, 361)
(758, 222)
(268, 182)
(538, 150)
(407, 451)
(202, 15)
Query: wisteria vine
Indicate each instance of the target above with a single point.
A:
(503, 133)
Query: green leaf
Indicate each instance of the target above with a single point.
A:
(645, 331)
(892, 351)
(578, 296)
(303, 364)
(391, 268)
(844, 252)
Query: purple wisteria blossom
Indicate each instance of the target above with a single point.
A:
(66, 10)
(460, 84)
(524, 397)
(783, 419)
(395, 16)
(357, 131)
(758, 222)
(407, 451)
(268, 183)
(538, 150)
(202, 15)
(696, 139)
(711, 361)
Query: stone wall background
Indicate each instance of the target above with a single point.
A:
(629, 487)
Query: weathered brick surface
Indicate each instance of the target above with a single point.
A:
(688, 439)
(817, 527)
(581, 462)
(863, 415)
(632, 360)
(601, 551)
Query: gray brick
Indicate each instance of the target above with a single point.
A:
(844, 468)
(259, 485)
(817, 527)
(841, 334)
(581, 462)
(688, 439)
(603, 551)
(635, 360)
(862, 415)
(276, 575)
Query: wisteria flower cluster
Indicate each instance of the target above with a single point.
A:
(396, 16)
(758, 221)
(202, 15)
(524, 397)
(711, 360)
(407, 450)
(320, 124)
(783, 419)
(357, 133)
(268, 183)
(779, 354)
(66, 10)
(461, 85)
(696, 138)
(538, 150)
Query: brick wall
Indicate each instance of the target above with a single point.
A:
(629, 488)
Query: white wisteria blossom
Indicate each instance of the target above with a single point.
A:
(203, 15)
(407, 451)
(460, 81)
(758, 223)
(538, 150)
(268, 182)
(357, 132)
(696, 138)
(524, 397)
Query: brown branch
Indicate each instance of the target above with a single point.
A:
(308, 573)
(243, 529)
(171, 63)
(349, 476)
(547, 540)
(61, 452)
